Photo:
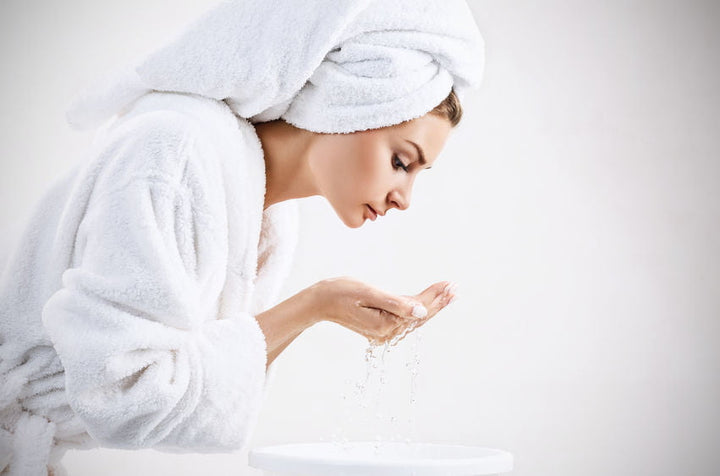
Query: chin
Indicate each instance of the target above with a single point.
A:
(356, 225)
(353, 220)
(353, 223)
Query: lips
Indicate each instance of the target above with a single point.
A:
(373, 213)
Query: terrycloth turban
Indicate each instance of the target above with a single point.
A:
(322, 65)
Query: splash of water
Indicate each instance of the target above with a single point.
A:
(375, 367)
(414, 366)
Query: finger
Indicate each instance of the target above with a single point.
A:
(398, 330)
(434, 297)
(379, 322)
(406, 329)
(405, 307)
(434, 289)
(392, 334)
(444, 297)
(403, 332)
(431, 294)
(438, 297)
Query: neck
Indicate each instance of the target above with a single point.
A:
(287, 170)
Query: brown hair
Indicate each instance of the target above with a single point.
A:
(450, 109)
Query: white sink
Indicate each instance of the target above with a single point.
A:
(390, 458)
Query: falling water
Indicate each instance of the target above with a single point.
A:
(414, 365)
(375, 371)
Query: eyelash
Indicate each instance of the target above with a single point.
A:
(403, 166)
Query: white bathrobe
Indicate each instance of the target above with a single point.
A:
(126, 309)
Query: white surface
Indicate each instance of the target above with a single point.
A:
(391, 458)
(578, 210)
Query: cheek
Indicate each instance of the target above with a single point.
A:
(356, 170)
(359, 176)
(371, 170)
(365, 177)
(338, 174)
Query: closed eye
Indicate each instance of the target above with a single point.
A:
(398, 163)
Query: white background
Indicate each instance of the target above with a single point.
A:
(577, 206)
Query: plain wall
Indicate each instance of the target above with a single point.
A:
(577, 206)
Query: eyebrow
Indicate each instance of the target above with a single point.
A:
(420, 153)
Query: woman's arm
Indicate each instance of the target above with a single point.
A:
(365, 309)
(282, 323)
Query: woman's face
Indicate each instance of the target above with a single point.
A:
(367, 168)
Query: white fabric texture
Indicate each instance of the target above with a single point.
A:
(126, 309)
(333, 66)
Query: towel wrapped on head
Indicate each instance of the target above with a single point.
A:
(332, 66)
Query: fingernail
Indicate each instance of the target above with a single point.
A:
(452, 300)
(419, 311)
(447, 287)
(453, 288)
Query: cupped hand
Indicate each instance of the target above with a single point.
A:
(435, 298)
(376, 314)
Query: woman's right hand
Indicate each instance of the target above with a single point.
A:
(373, 313)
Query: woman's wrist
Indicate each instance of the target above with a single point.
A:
(305, 307)
(310, 305)
(282, 323)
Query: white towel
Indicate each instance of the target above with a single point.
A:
(330, 66)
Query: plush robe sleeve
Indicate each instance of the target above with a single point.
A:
(148, 361)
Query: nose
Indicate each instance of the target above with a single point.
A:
(400, 199)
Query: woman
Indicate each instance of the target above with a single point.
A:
(138, 309)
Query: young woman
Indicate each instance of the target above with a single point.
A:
(362, 175)
(139, 308)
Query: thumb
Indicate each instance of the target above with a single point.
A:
(405, 307)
